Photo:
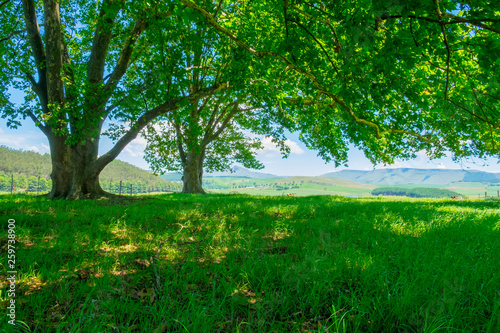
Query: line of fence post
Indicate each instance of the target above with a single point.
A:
(120, 191)
(486, 195)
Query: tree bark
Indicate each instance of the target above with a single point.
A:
(193, 174)
(61, 167)
(74, 171)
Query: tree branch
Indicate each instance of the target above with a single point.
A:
(44, 128)
(4, 3)
(132, 133)
(102, 38)
(445, 40)
(54, 50)
(146, 118)
(223, 126)
(36, 43)
(314, 80)
(476, 22)
(125, 55)
(472, 113)
(16, 32)
(317, 42)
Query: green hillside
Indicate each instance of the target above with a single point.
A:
(26, 166)
(301, 186)
(416, 176)
(236, 172)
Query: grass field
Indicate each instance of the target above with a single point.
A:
(306, 186)
(301, 186)
(220, 263)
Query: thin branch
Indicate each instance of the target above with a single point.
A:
(317, 42)
(4, 3)
(16, 33)
(413, 33)
(456, 19)
(475, 22)
(212, 117)
(36, 43)
(146, 118)
(125, 54)
(472, 113)
(223, 126)
(218, 9)
(45, 129)
(34, 85)
(448, 51)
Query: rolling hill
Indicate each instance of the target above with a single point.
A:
(416, 176)
(237, 172)
(32, 164)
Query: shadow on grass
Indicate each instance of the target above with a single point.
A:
(255, 264)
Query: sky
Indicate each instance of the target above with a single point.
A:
(301, 162)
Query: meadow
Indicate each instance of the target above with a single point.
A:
(239, 263)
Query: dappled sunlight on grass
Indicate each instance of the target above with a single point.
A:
(218, 262)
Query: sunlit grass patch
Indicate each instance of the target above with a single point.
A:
(225, 263)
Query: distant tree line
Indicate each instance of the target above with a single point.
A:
(32, 184)
(23, 183)
(418, 192)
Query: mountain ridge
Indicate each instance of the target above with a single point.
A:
(415, 176)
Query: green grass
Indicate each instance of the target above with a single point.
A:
(474, 190)
(304, 186)
(254, 264)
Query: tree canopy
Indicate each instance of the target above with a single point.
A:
(215, 131)
(78, 61)
(392, 77)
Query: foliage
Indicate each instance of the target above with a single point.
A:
(391, 77)
(417, 192)
(228, 263)
(217, 130)
(78, 63)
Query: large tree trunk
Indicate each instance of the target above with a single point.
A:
(85, 180)
(193, 174)
(75, 174)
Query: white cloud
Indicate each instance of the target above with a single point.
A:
(33, 148)
(46, 148)
(136, 147)
(26, 140)
(270, 147)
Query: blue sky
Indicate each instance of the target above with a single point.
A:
(301, 161)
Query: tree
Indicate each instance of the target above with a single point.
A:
(72, 66)
(392, 77)
(210, 132)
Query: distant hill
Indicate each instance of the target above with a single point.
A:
(238, 172)
(243, 173)
(416, 176)
(324, 181)
(32, 164)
